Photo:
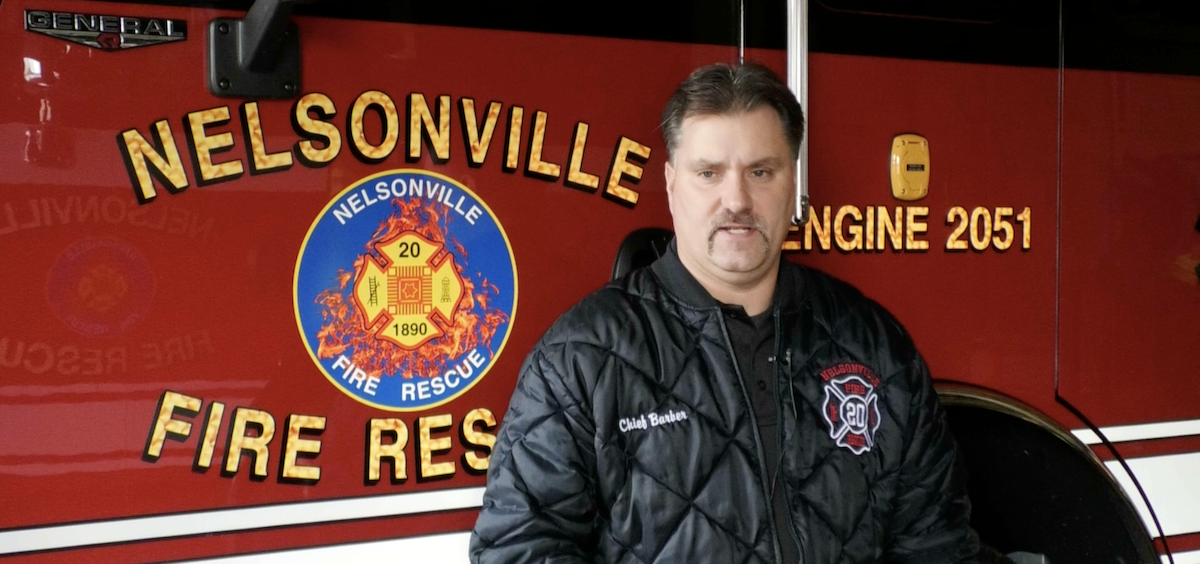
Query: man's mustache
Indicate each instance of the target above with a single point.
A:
(727, 218)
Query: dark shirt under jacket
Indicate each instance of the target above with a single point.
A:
(753, 340)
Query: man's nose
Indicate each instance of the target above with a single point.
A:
(735, 196)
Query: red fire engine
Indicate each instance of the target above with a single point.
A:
(270, 274)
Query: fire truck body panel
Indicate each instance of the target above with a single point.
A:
(170, 250)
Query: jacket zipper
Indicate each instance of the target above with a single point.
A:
(762, 470)
(787, 499)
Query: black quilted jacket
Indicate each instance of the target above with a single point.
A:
(630, 437)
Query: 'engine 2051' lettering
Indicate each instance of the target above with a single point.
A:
(851, 229)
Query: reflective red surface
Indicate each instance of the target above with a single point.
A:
(107, 304)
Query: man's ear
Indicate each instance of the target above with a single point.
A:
(669, 174)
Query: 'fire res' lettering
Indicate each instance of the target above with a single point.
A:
(251, 437)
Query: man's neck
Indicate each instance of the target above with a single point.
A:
(754, 296)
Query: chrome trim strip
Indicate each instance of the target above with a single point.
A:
(797, 69)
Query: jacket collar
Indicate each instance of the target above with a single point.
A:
(676, 278)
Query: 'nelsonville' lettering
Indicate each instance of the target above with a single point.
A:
(156, 160)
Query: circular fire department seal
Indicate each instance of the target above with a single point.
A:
(100, 287)
(405, 290)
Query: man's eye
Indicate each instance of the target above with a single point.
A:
(761, 173)
(707, 174)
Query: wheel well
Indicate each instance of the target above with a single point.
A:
(1035, 488)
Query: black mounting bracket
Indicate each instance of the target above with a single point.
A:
(257, 56)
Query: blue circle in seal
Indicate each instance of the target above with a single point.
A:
(350, 232)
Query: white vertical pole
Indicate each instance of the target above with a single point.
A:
(797, 70)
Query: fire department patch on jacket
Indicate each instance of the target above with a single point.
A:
(851, 406)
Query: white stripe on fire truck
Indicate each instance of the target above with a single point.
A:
(1142, 432)
(78, 535)
(1164, 478)
(1192, 557)
(449, 548)
(1170, 483)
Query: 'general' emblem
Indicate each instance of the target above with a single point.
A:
(106, 33)
(405, 290)
(851, 406)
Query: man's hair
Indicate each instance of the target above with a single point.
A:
(722, 89)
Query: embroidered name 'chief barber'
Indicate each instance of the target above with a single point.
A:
(648, 420)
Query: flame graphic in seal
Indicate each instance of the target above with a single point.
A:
(475, 322)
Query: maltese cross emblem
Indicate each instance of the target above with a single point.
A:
(851, 408)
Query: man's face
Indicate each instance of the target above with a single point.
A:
(731, 190)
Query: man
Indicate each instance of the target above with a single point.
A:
(724, 405)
